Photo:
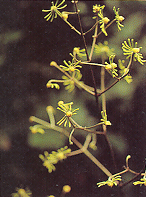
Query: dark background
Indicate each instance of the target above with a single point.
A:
(27, 45)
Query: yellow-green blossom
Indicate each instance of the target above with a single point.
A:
(97, 8)
(104, 118)
(131, 48)
(71, 66)
(118, 18)
(80, 52)
(142, 180)
(22, 193)
(67, 109)
(103, 21)
(53, 12)
(50, 159)
(103, 50)
(111, 66)
(69, 83)
(111, 181)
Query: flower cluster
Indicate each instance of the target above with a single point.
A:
(50, 159)
(131, 48)
(67, 109)
(104, 118)
(111, 181)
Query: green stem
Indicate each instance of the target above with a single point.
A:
(78, 144)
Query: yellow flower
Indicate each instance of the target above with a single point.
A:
(67, 109)
(111, 181)
(103, 21)
(71, 66)
(53, 12)
(111, 66)
(131, 48)
(142, 180)
(97, 8)
(118, 18)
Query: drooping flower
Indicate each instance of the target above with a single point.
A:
(131, 48)
(118, 18)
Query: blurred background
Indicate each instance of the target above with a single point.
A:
(27, 46)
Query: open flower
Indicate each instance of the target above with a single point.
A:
(118, 18)
(70, 83)
(131, 48)
(97, 8)
(67, 109)
(80, 52)
(142, 180)
(103, 21)
(53, 12)
(111, 181)
(71, 66)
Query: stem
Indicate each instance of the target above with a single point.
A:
(91, 28)
(118, 79)
(104, 109)
(92, 64)
(106, 27)
(78, 144)
(82, 34)
(72, 27)
(77, 126)
(90, 57)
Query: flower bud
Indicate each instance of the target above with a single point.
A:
(106, 20)
(136, 50)
(121, 18)
(53, 63)
(64, 16)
